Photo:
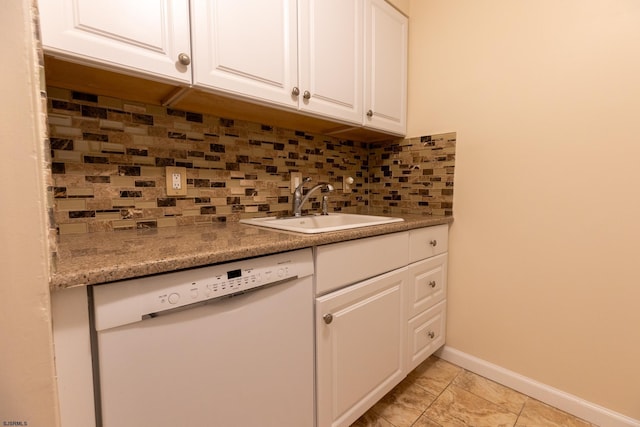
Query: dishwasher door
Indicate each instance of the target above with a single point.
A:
(243, 361)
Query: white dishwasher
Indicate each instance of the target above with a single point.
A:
(221, 346)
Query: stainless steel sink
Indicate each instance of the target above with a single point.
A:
(321, 223)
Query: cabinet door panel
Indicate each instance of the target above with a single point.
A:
(360, 351)
(246, 48)
(331, 58)
(386, 38)
(144, 36)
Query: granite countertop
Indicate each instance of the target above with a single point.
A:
(95, 258)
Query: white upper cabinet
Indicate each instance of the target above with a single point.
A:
(385, 101)
(151, 37)
(305, 55)
(247, 48)
(330, 58)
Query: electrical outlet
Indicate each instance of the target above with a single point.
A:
(176, 178)
(296, 179)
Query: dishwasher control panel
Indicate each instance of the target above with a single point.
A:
(224, 283)
(133, 300)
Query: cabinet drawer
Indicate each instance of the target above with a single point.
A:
(426, 333)
(427, 284)
(427, 242)
(341, 264)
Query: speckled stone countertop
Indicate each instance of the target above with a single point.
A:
(94, 258)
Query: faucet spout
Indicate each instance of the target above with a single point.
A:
(298, 200)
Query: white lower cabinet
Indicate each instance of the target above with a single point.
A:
(380, 312)
(360, 347)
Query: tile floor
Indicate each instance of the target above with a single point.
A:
(440, 394)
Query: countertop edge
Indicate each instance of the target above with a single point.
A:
(71, 271)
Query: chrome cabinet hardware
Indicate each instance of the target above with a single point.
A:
(295, 91)
(431, 334)
(432, 283)
(370, 113)
(184, 59)
(328, 318)
(433, 243)
(306, 94)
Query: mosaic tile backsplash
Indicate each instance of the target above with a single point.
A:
(109, 158)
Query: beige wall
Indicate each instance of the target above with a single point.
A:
(544, 256)
(27, 385)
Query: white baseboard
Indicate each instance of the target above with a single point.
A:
(569, 403)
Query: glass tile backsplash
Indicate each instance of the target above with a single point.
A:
(108, 159)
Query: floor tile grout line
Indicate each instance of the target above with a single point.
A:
(438, 396)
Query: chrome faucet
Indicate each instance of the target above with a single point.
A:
(298, 200)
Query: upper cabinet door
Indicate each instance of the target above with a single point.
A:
(331, 58)
(246, 48)
(141, 36)
(386, 32)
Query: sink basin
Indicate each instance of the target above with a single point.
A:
(321, 223)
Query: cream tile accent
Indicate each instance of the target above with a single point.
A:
(136, 130)
(191, 212)
(80, 192)
(71, 204)
(251, 209)
(143, 160)
(134, 108)
(536, 413)
(456, 406)
(166, 222)
(140, 204)
(182, 126)
(108, 215)
(123, 202)
(111, 125)
(113, 147)
(198, 136)
(67, 131)
(67, 156)
(107, 101)
(122, 181)
(125, 223)
(491, 391)
(151, 171)
(78, 228)
(59, 119)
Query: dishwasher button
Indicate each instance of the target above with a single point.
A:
(174, 298)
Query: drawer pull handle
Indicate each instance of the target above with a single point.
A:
(431, 334)
(295, 91)
(432, 283)
(328, 318)
(433, 243)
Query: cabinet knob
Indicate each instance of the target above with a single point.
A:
(295, 91)
(306, 94)
(433, 243)
(432, 283)
(328, 318)
(431, 334)
(370, 113)
(184, 59)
